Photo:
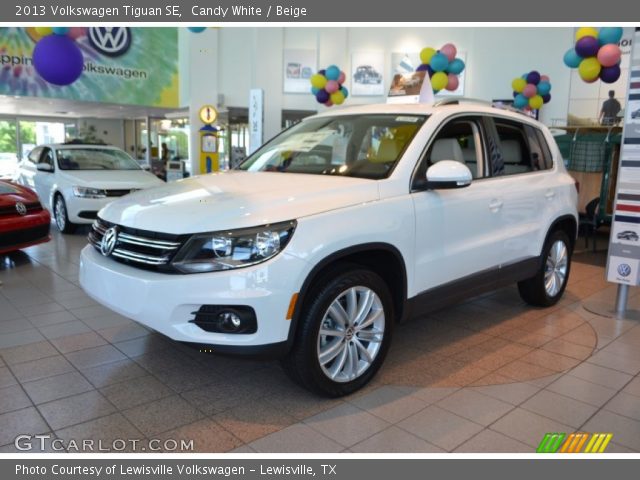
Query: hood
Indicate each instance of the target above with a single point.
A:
(10, 193)
(112, 179)
(236, 200)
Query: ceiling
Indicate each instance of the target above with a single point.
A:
(59, 108)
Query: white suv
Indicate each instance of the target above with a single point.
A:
(338, 228)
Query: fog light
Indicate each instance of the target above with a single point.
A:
(229, 320)
(234, 319)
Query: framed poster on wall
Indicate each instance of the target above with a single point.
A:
(367, 73)
(299, 65)
(402, 62)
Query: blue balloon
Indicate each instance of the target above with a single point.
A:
(439, 62)
(544, 88)
(456, 66)
(58, 59)
(60, 30)
(344, 91)
(332, 73)
(520, 101)
(315, 90)
(572, 59)
(423, 67)
(610, 35)
(322, 96)
(196, 29)
(533, 77)
(546, 98)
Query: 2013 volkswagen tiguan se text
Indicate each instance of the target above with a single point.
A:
(337, 229)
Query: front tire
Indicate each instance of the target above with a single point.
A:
(344, 332)
(61, 216)
(547, 286)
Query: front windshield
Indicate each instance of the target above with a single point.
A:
(365, 146)
(95, 159)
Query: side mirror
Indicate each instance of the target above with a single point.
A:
(44, 167)
(448, 174)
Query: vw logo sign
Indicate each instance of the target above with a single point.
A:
(21, 209)
(624, 270)
(108, 242)
(110, 41)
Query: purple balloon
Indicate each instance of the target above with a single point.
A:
(546, 98)
(322, 72)
(587, 47)
(533, 77)
(430, 70)
(423, 67)
(323, 96)
(58, 59)
(610, 74)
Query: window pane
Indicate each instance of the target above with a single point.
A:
(514, 147)
(8, 148)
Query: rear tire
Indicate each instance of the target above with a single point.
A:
(344, 332)
(61, 216)
(547, 286)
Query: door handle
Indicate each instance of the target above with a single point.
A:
(549, 194)
(495, 205)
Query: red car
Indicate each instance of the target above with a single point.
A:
(23, 221)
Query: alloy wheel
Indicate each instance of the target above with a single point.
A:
(555, 273)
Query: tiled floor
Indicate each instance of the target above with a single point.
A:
(491, 375)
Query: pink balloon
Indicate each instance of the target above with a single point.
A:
(530, 90)
(342, 78)
(77, 32)
(329, 103)
(452, 84)
(332, 86)
(609, 55)
(545, 78)
(449, 50)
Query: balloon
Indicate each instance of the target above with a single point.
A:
(423, 67)
(439, 62)
(518, 84)
(609, 55)
(546, 98)
(589, 69)
(545, 78)
(322, 96)
(341, 78)
(318, 81)
(520, 101)
(77, 32)
(449, 51)
(610, 74)
(60, 30)
(426, 54)
(586, 32)
(337, 98)
(610, 35)
(315, 90)
(345, 92)
(529, 90)
(332, 86)
(452, 84)
(332, 73)
(536, 102)
(456, 66)
(587, 47)
(196, 29)
(572, 59)
(533, 77)
(439, 81)
(544, 88)
(44, 31)
(58, 59)
(322, 72)
(328, 103)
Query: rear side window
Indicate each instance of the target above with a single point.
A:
(546, 151)
(523, 149)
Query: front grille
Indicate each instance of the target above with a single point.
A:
(9, 239)
(88, 214)
(32, 207)
(120, 193)
(139, 248)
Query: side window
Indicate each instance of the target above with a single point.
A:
(47, 157)
(34, 156)
(516, 156)
(546, 151)
(458, 140)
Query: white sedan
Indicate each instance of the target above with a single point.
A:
(74, 181)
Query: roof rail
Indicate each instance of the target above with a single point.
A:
(458, 100)
(509, 108)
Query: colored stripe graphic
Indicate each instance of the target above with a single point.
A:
(626, 218)
(598, 443)
(628, 208)
(573, 443)
(551, 442)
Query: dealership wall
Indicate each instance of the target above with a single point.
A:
(253, 58)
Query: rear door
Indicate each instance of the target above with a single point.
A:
(43, 181)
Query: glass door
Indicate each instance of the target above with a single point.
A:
(8, 147)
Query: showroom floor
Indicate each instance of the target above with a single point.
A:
(491, 375)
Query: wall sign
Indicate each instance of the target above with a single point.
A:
(256, 118)
(299, 65)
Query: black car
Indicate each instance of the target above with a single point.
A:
(628, 235)
(367, 74)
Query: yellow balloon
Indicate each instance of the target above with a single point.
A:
(439, 80)
(586, 32)
(426, 54)
(589, 69)
(337, 98)
(44, 31)
(318, 81)
(518, 84)
(536, 102)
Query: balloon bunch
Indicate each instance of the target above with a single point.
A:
(326, 86)
(56, 57)
(531, 90)
(443, 67)
(596, 54)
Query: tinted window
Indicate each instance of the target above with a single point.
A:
(546, 151)
(47, 157)
(520, 148)
(34, 156)
(95, 159)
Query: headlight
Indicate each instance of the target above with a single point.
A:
(86, 192)
(210, 252)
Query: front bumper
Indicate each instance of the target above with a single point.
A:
(17, 233)
(165, 302)
(77, 206)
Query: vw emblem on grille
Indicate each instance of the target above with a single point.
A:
(110, 41)
(624, 270)
(21, 208)
(108, 242)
